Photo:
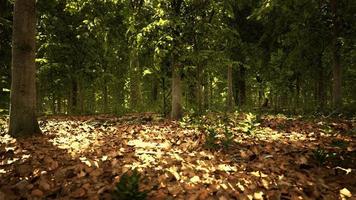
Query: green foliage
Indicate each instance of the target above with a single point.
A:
(339, 143)
(211, 139)
(249, 124)
(228, 138)
(320, 155)
(101, 43)
(128, 187)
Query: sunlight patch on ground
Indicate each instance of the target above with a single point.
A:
(73, 137)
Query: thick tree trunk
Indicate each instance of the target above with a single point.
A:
(135, 81)
(230, 96)
(23, 120)
(337, 76)
(176, 112)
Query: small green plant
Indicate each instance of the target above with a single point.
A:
(211, 139)
(250, 123)
(320, 155)
(128, 187)
(228, 138)
(339, 143)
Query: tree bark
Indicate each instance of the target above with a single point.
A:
(241, 85)
(177, 111)
(199, 89)
(23, 120)
(321, 93)
(74, 97)
(135, 81)
(337, 76)
(230, 96)
(105, 96)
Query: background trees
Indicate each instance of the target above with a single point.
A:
(174, 56)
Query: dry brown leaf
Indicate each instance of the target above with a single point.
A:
(174, 189)
(204, 194)
(159, 195)
(37, 193)
(78, 193)
(44, 185)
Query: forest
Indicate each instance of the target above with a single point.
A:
(178, 99)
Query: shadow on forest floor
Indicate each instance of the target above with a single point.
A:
(83, 157)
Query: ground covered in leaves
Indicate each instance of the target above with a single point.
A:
(217, 156)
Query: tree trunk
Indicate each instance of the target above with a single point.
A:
(23, 120)
(105, 94)
(321, 85)
(135, 81)
(176, 112)
(337, 76)
(207, 89)
(164, 97)
(59, 105)
(74, 97)
(230, 96)
(241, 86)
(199, 89)
(81, 97)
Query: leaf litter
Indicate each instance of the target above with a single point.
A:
(276, 158)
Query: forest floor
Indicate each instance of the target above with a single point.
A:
(219, 157)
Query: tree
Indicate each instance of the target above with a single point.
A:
(230, 97)
(23, 120)
(337, 98)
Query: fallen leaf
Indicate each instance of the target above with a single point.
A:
(44, 185)
(345, 192)
(195, 179)
(258, 195)
(204, 194)
(37, 193)
(78, 193)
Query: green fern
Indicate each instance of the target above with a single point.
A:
(128, 187)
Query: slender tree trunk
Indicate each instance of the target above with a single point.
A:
(53, 106)
(91, 99)
(297, 92)
(81, 95)
(230, 96)
(321, 85)
(135, 81)
(23, 120)
(205, 91)
(165, 112)
(105, 94)
(337, 76)
(177, 111)
(199, 89)
(59, 105)
(241, 86)
(74, 97)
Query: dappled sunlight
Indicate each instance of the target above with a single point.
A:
(84, 157)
